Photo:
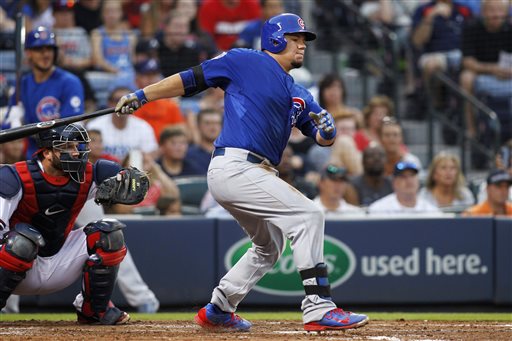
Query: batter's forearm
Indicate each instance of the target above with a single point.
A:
(171, 86)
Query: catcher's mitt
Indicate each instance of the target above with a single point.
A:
(128, 187)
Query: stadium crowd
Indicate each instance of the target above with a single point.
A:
(117, 46)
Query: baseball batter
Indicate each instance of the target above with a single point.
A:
(39, 202)
(262, 104)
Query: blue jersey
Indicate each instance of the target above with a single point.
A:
(61, 95)
(261, 102)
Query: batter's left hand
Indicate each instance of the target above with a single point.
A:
(128, 104)
(324, 123)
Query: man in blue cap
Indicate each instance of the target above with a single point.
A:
(404, 198)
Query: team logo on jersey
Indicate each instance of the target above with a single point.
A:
(301, 23)
(48, 108)
(75, 102)
(298, 107)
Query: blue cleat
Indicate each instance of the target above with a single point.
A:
(337, 319)
(211, 317)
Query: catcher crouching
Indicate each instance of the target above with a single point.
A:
(40, 253)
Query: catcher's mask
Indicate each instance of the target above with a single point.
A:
(72, 141)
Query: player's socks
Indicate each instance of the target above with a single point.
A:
(337, 319)
(211, 317)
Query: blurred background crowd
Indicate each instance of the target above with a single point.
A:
(421, 92)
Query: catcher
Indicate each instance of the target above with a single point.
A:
(40, 199)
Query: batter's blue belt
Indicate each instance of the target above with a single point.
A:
(250, 156)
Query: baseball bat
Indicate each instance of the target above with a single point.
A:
(19, 44)
(34, 128)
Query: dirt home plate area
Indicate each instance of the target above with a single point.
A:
(261, 330)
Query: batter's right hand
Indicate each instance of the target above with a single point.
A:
(128, 104)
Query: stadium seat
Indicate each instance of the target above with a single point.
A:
(192, 191)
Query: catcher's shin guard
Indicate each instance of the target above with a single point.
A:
(316, 281)
(106, 248)
(18, 249)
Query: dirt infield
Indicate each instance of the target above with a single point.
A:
(262, 330)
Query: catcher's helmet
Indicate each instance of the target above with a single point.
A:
(274, 29)
(68, 140)
(40, 37)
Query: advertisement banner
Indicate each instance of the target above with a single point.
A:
(394, 261)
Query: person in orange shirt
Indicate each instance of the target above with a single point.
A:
(162, 113)
(498, 184)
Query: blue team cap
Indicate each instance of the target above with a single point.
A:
(147, 66)
(402, 166)
(497, 176)
(335, 173)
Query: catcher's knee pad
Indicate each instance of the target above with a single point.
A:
(106, 248)
(316, 281)
(18, 249)
(105, 242)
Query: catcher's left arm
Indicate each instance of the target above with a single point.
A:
(129, 187)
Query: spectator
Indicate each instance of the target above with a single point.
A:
(12, 152)
(331, 188)
(378, 107)
(497, 203)
(445, 184)
(404, 198)
(96, 148)
(344, 151)
(250, 36)
(146, 49)
(47, 92)
(160, 186)
(38, 13)
(483, 42)
(73, 41)
(392, 141)
(8, 11)
(373, 184)
(160, 114)
(124, 132)
(287, 173)
(503, 161)
(332, 95)
(75, 52)
(169, 206)
(173, 150)
(113, 45)
(225, 19)
(188, 9)
(154, 15)
(178, 48)
(88, 14)
(209, 123)
(436, 33)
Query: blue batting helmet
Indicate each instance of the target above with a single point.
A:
(274, 29)
(39, 37)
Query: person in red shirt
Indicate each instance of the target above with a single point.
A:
(225, 19)
(162, 113)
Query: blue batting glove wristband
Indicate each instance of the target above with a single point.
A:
(327, 135)
(141, 96)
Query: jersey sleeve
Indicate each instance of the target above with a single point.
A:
(217, 71)
(304, 103)
(72, 102)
